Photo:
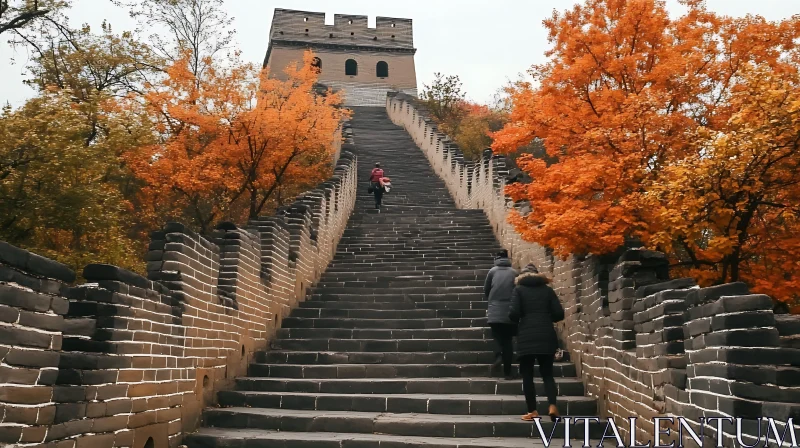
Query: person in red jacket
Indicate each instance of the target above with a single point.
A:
(375, 183)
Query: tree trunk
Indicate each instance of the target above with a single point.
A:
(253, 203)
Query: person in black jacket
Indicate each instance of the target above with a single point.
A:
(536, 307)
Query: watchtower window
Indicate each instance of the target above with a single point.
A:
(382, 69)
(317, 64)
(351, 67)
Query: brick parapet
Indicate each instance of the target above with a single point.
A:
(123, 359)
(645, 345)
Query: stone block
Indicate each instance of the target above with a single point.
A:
(754, 319)
(680, 283)
(22, 337)
(20, 298)
(743, 338)
(34, 264)
(706, 295)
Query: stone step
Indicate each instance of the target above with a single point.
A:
(461, 240)
(422, 226)
(423, 248)
(490, 386)
(384, 297)
(437, 209)
(263, 438)
(466, 239)
(373, 226)
(381, 345)
(481, 256)
(453, 404)
(426, 425)
(400, 290)
(401, 283)
(421, 216)
(328, 357)
(350, 266)
(386, 314)
(564, 369)
(394, 234)
(390, 275)
(395, 305)
(399, 243)
(426, 333)
(387, 370)
(396, 324)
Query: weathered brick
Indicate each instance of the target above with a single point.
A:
(10, 434)
(42, 321)
(706, 295)
(8, 314)
(20, 298)
(26, 395)
(35, 264)
(743, 338)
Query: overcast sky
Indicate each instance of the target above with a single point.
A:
(484, 42)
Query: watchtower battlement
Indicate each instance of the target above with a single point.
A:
(306, 27)
(361, 61)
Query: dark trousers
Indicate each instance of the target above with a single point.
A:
(526, 364)
(378, 191)
(503, 335)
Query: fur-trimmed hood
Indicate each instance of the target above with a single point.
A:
(531, 279)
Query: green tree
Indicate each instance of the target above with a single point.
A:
(85, 62)
(443, 97)
(58, 192)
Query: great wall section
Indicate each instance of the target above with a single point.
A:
(331, 324)
(645, 345)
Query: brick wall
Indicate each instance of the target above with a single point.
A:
(363, 89)
(129, 361)
(645, 345)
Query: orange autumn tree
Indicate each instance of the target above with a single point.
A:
(734, 199)
(623, 95)
(235, 141)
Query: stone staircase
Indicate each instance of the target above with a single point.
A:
(392, 347)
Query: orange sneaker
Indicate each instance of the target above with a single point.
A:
(530, 416)
(553, 412)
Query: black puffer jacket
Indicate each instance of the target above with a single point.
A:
(536, 307)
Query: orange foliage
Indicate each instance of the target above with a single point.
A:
(732, 203)
(624, 95)
(235, 141)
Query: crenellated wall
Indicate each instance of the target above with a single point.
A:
(129, 361)
(645, 345)
(390, 42)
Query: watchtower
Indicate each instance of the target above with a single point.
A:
(362, 61)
